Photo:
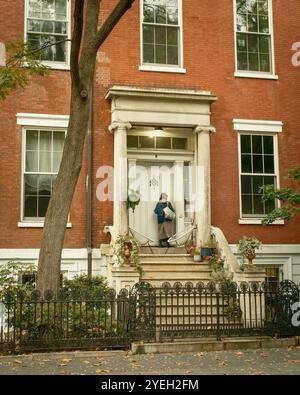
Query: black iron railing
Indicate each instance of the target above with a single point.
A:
(29, 322)
(72, 320)
(225, 309)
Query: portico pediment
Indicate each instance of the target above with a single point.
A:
(160, 106)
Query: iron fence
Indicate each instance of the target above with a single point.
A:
(109, 320)
(226, 309)
(73, 320)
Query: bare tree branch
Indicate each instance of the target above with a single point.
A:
(112, 20)
(20, 58)
(76, 40)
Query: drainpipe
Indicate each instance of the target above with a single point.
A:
(89, 186)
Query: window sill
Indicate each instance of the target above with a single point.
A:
(256, 221)
(36, 225)
(57, 66)
(256, 75)
(163, 69)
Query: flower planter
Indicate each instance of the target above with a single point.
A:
(250, 256)
(197, 258)
(206, 252)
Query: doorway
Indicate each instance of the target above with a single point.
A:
(150, 179)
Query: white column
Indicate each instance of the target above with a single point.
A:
(120, 176)
(203, 198)
(179, 194)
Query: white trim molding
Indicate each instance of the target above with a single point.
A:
(2, 54)
(43, 120)
(250, 125)
(287, 256)
(166, 68)
(263, 128)
(256, 74)
(37, 224)
(54, 64)
(256, 221)
(165, 107)
(163, 69)
(40, 122)
(73, 262)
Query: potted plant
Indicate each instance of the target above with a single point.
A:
(247, 247)
(126, 251)
(133, 200)
(215, 262)
(189, 247)
(197, 254)
(207, 250)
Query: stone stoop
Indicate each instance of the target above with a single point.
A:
(160, 268)
(175, 312)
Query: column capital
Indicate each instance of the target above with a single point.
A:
(119, 125)
(201, 128)
(179, 162)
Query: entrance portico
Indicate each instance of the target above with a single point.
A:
(189, 110)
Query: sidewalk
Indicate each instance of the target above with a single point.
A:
(277, 361)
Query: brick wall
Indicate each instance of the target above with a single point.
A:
(209, 61)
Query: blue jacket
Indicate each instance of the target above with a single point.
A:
(159, 211)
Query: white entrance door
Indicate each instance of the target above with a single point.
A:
(150, 179)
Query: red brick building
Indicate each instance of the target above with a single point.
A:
(185, 84)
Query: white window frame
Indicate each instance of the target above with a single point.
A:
(38, 122)
(261, 128)
(54, 65)
(256, 74)
(163, 68)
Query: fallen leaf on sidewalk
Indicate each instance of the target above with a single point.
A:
(239, 353)
(17, 361)
(293, 361)
(66, 360)
(86, 362)
(102, 371)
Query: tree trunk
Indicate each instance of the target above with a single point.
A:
(83, 60)
(48, 276)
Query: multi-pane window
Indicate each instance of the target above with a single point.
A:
(254, 36)
(157, 142)
(161, 32)
(257, 161)
(47, 23)
(43, 152)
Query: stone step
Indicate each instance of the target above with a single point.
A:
(162, 250)
(167, 258)
(178, 269)
(174, 263)
(167, 273)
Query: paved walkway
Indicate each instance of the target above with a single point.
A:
(250, 362)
